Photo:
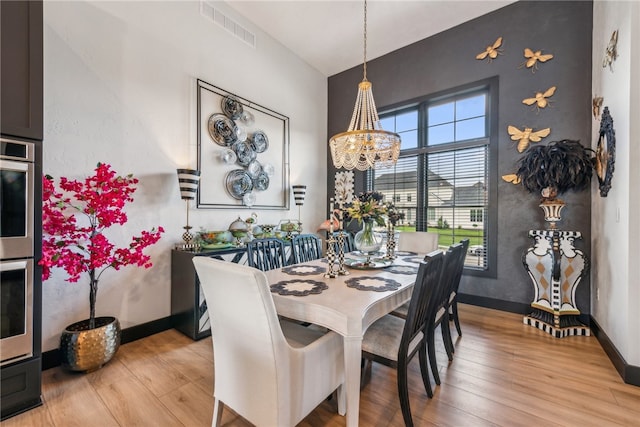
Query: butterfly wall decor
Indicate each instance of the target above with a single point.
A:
(491, 51)
(611, 52)
(526, 136)
(540, 99)
(533, 58)
(596, 103)
(512, 178)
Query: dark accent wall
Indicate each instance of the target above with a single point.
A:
(447, 60)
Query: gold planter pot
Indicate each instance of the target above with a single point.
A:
(84, 349)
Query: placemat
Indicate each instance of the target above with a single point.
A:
(372, 283)
(414, 259)
(298, 287)
(303, 270)
(405, 253)
(402, 269)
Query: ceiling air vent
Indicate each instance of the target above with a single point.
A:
(210, 12)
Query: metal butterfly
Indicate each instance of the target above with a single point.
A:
(540, 98)
(491, 51)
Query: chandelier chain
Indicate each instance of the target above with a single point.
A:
(365, 40)
(365, 145)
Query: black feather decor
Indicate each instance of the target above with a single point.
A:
(556, 168)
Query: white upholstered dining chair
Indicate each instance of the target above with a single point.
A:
(271, 372)
(420, 242)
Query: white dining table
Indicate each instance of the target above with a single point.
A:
(346, 310)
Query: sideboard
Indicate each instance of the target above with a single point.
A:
(188, 306)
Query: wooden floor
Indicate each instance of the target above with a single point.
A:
(504, 373)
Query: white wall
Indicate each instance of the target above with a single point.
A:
(120, 88)
(615, 248)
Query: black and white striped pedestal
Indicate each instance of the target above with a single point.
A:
(557, 332)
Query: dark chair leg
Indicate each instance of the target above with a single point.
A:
(446, 337)
(365, 372)
(424, 369)
(403, 392)
(454, 310)
(431, 345)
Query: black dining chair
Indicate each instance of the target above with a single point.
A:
(306, 247)
(266, 254)
(455, 284)
(440, 315)
(393, 341)
(348, 241)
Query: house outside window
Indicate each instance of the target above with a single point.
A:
(443, 170)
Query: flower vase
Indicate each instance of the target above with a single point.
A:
(366, 240)
(86, 349)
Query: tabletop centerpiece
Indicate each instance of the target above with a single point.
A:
(369, 210)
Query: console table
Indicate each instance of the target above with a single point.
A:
(556, 268)
(188, 306)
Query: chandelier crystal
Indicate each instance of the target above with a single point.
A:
(365, 145)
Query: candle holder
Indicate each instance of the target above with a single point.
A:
(188, 180)
(391, 242)
(299, 191)
(331, 258)
(340, 244)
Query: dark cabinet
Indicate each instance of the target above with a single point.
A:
(188, 306)
(21, 72)
(21, 119)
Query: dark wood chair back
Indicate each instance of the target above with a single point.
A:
(306, 247)
(266, 254)
(422, 304)
(348, 241)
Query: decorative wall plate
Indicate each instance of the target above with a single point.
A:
(261, 183)
(231, 107)
(238, 183)
(254, 169)
(259, 141)
(245, 153)
(222, 130)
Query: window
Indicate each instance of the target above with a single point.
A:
(475, 215)
(443, 169)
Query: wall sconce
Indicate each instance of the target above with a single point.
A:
(188, 180)
(299, 191)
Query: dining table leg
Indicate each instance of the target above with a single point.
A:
(352, 357)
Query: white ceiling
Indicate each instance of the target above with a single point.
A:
(329, 34)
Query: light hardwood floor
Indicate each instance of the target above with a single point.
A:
(504, 373)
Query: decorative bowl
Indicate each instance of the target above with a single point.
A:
(214, 237)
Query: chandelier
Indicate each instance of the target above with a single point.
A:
(365, 144)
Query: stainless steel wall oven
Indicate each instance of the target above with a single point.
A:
(17, 177)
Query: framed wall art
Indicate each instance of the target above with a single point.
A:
(605, 153)
(243, 152)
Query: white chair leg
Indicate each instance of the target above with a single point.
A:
(342, 400)
(218, 407)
